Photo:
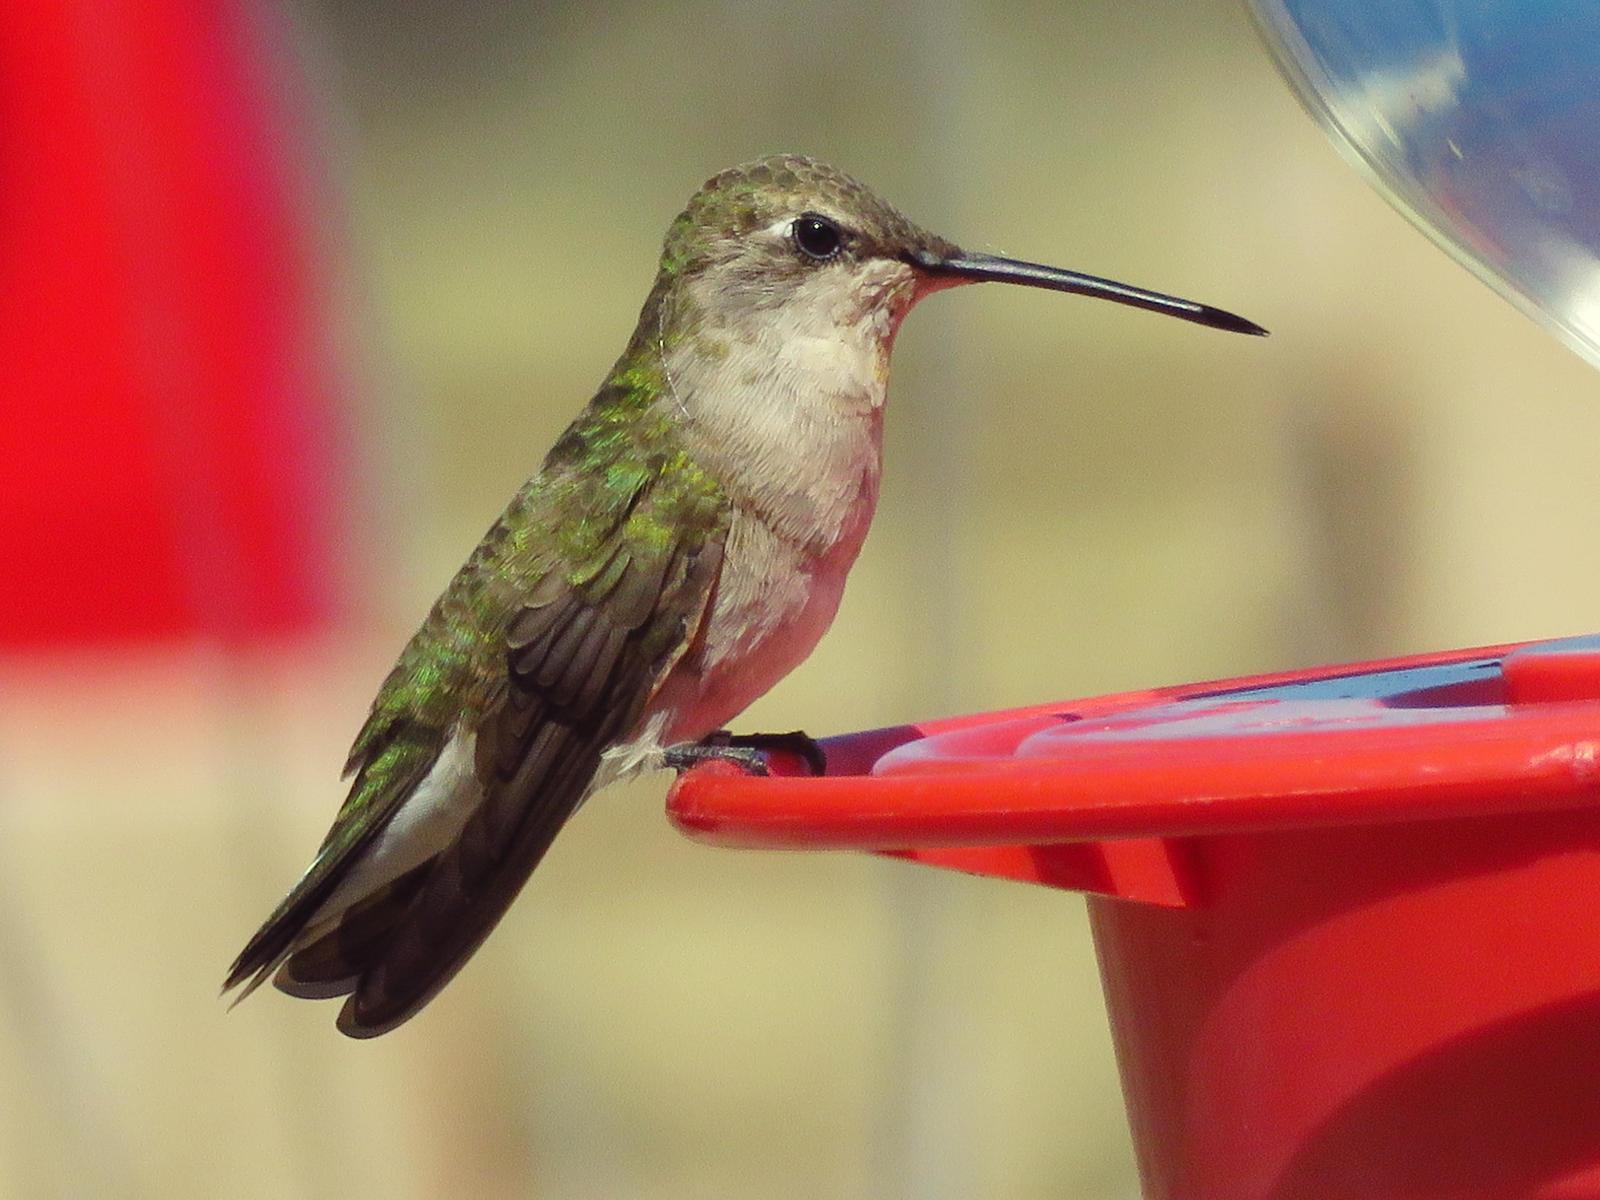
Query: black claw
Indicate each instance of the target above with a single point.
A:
(796, 742)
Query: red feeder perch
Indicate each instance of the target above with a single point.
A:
(1348, 919)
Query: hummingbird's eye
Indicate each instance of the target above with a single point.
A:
(817, 237)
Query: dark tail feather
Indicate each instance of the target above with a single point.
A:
(273, 941)
(331, 965)
(468, 889)
(378, 790)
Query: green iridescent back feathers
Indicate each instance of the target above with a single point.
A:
(570, 519)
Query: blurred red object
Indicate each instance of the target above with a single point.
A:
(167, 457)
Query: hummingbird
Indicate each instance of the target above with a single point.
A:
(683, 546)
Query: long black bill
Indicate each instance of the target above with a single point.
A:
(987, 268)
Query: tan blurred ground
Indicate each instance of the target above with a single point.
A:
(1079, 499)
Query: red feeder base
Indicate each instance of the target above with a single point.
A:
(1348, 919)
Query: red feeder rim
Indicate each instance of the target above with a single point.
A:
(1084, 793)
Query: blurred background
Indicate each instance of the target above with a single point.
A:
(295, 296)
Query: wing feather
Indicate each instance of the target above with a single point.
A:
(580, 662)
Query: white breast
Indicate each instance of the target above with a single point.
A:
(803, 479)
(788, 415)
(773, 603)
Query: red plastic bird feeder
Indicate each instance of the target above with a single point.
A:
(1348, 919)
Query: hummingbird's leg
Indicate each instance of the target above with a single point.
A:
(746, 750)
(714, 747)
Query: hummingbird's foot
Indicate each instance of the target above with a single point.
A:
(692, 754)
(747, 751)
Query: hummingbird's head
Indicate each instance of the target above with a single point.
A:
(792, 244)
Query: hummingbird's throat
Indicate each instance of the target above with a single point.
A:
(883, 293)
